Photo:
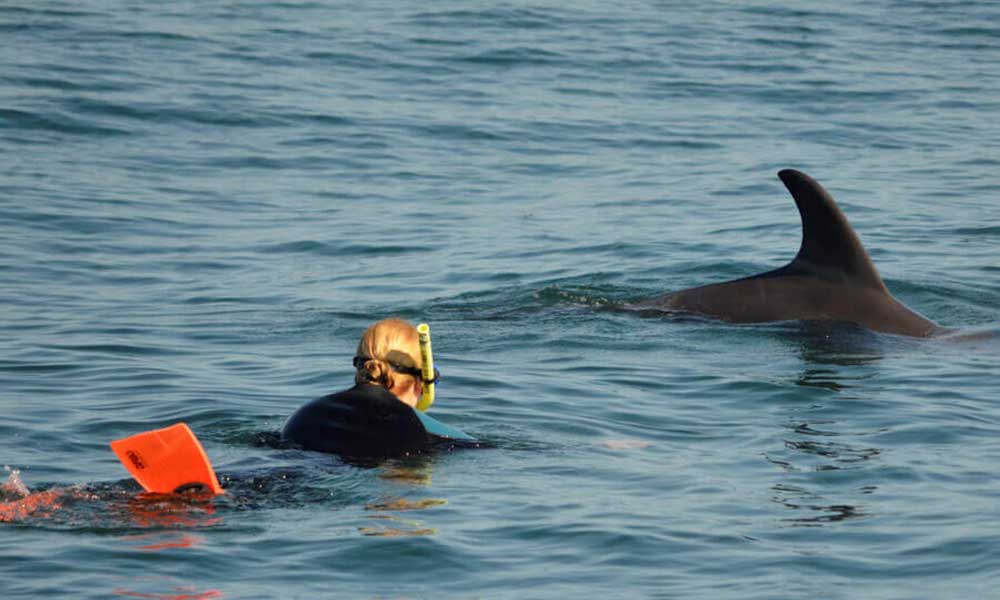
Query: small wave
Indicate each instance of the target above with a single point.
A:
(332, 249)
(159, 113)
(986, 231)
(971, 31)
(26, 12)
(54, 122)
(12, 366)
(498, 18)
(118, 349)
(513, 57)
(64, 84)
(463, 132)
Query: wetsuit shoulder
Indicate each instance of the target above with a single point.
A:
(364, 421)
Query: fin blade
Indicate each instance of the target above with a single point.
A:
(163, 460)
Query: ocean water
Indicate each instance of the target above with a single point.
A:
(203, 205)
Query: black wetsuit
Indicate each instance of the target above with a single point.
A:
(364, 421)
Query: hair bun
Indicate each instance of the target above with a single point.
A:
(373, 370)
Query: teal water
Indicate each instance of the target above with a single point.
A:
(204, 205)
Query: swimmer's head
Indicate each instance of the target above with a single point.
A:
(388, 355)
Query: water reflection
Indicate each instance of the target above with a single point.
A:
(176, 514)
(178, 592)
(821, 378)
(409, 475)
(820, 455)
(40, 505)
(391, 513)
(821, 443)
(118, 506)
(149, 510)
(396, 526)
(164, 540)
(799, 499)
(811, 450)
(836, 344)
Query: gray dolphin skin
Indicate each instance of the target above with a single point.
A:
(830, 279)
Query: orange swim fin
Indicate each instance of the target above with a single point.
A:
(167, 460)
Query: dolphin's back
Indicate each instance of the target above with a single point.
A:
(831, 278)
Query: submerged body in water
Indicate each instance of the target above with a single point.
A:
(366, 421)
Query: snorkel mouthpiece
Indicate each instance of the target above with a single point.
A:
(426, 367)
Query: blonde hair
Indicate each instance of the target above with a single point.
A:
(388, 343)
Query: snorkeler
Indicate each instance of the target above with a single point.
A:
(379, 416)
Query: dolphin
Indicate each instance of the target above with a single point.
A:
(832, 278)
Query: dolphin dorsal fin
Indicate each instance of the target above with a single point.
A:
(830, 247)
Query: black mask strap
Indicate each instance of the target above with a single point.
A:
(416, 373)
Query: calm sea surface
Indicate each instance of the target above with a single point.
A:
(202, 205)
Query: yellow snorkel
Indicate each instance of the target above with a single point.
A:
(426, 367)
